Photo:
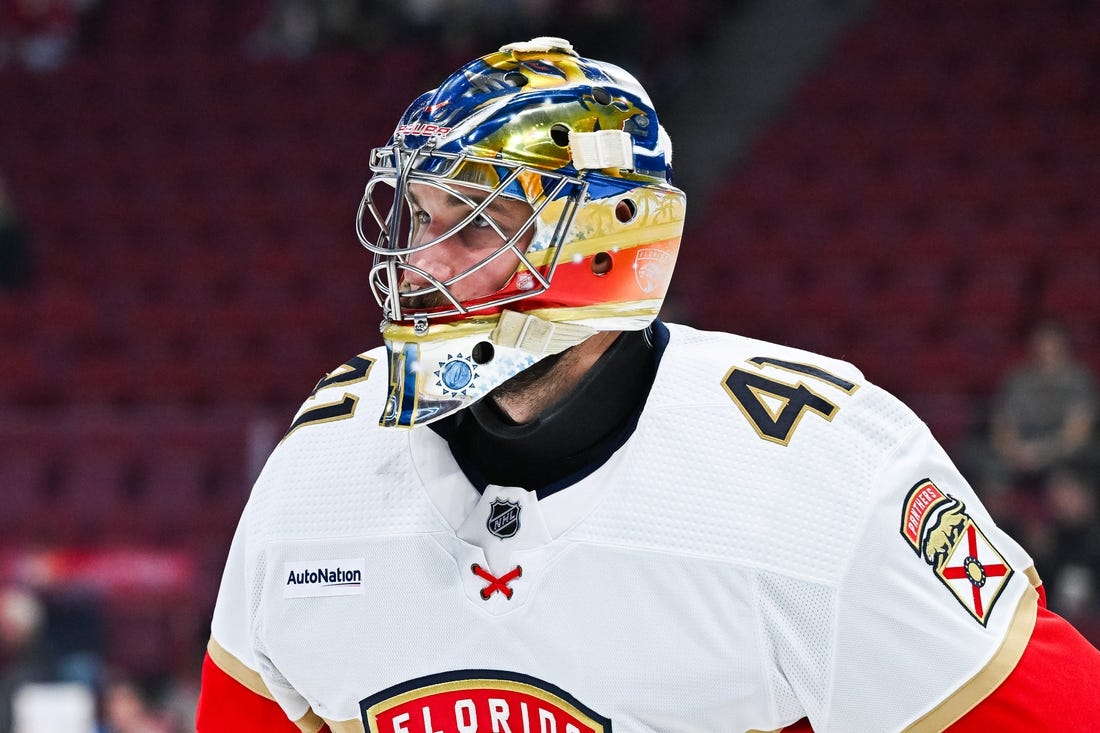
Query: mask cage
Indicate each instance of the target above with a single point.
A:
(387, 201)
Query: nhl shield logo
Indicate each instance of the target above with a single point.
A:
(503, 519)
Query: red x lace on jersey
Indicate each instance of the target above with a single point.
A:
(495, 583)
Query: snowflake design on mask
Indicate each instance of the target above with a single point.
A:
(456, 375)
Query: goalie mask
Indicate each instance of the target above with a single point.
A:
(519, 208)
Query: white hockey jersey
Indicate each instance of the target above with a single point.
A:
(777, 539)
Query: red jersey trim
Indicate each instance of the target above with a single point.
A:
(234, 698)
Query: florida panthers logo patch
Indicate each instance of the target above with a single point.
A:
(478, 700)
(940, 531)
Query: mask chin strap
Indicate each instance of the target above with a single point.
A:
(537, 336)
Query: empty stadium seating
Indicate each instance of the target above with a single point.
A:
(941, 152)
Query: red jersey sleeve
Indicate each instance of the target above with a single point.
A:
(228, 706)
(1054, 686)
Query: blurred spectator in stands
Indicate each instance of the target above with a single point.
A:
(15, 255)
(1068, 548)
(180, 701)
(290, 30)
(1045, 413)
(126, 709)
(352, 24)
(295, 29)
(1043, 418)
(25, 655)
(441, 22)
(457, 26)
(39, 33)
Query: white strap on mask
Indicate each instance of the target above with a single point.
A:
(602, 149)
(536, 336)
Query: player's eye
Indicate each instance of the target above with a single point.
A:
(422, 217)
(481, 222)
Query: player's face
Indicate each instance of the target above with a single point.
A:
(435, 212)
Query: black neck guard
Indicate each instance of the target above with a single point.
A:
(573, 437)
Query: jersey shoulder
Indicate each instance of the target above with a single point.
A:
(338, 394)
(324, 476)
(778, 392)
(696, 359)
(759, 438)
(722, 347)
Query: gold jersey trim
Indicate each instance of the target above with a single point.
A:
(237, 669)
(346, 726)
(1032, 576)
(311, 722)
(251, 679)
(981, 685)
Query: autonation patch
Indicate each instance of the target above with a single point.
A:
(313, 578)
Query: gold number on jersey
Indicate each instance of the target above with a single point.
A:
(355, 369)
(774, 408)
